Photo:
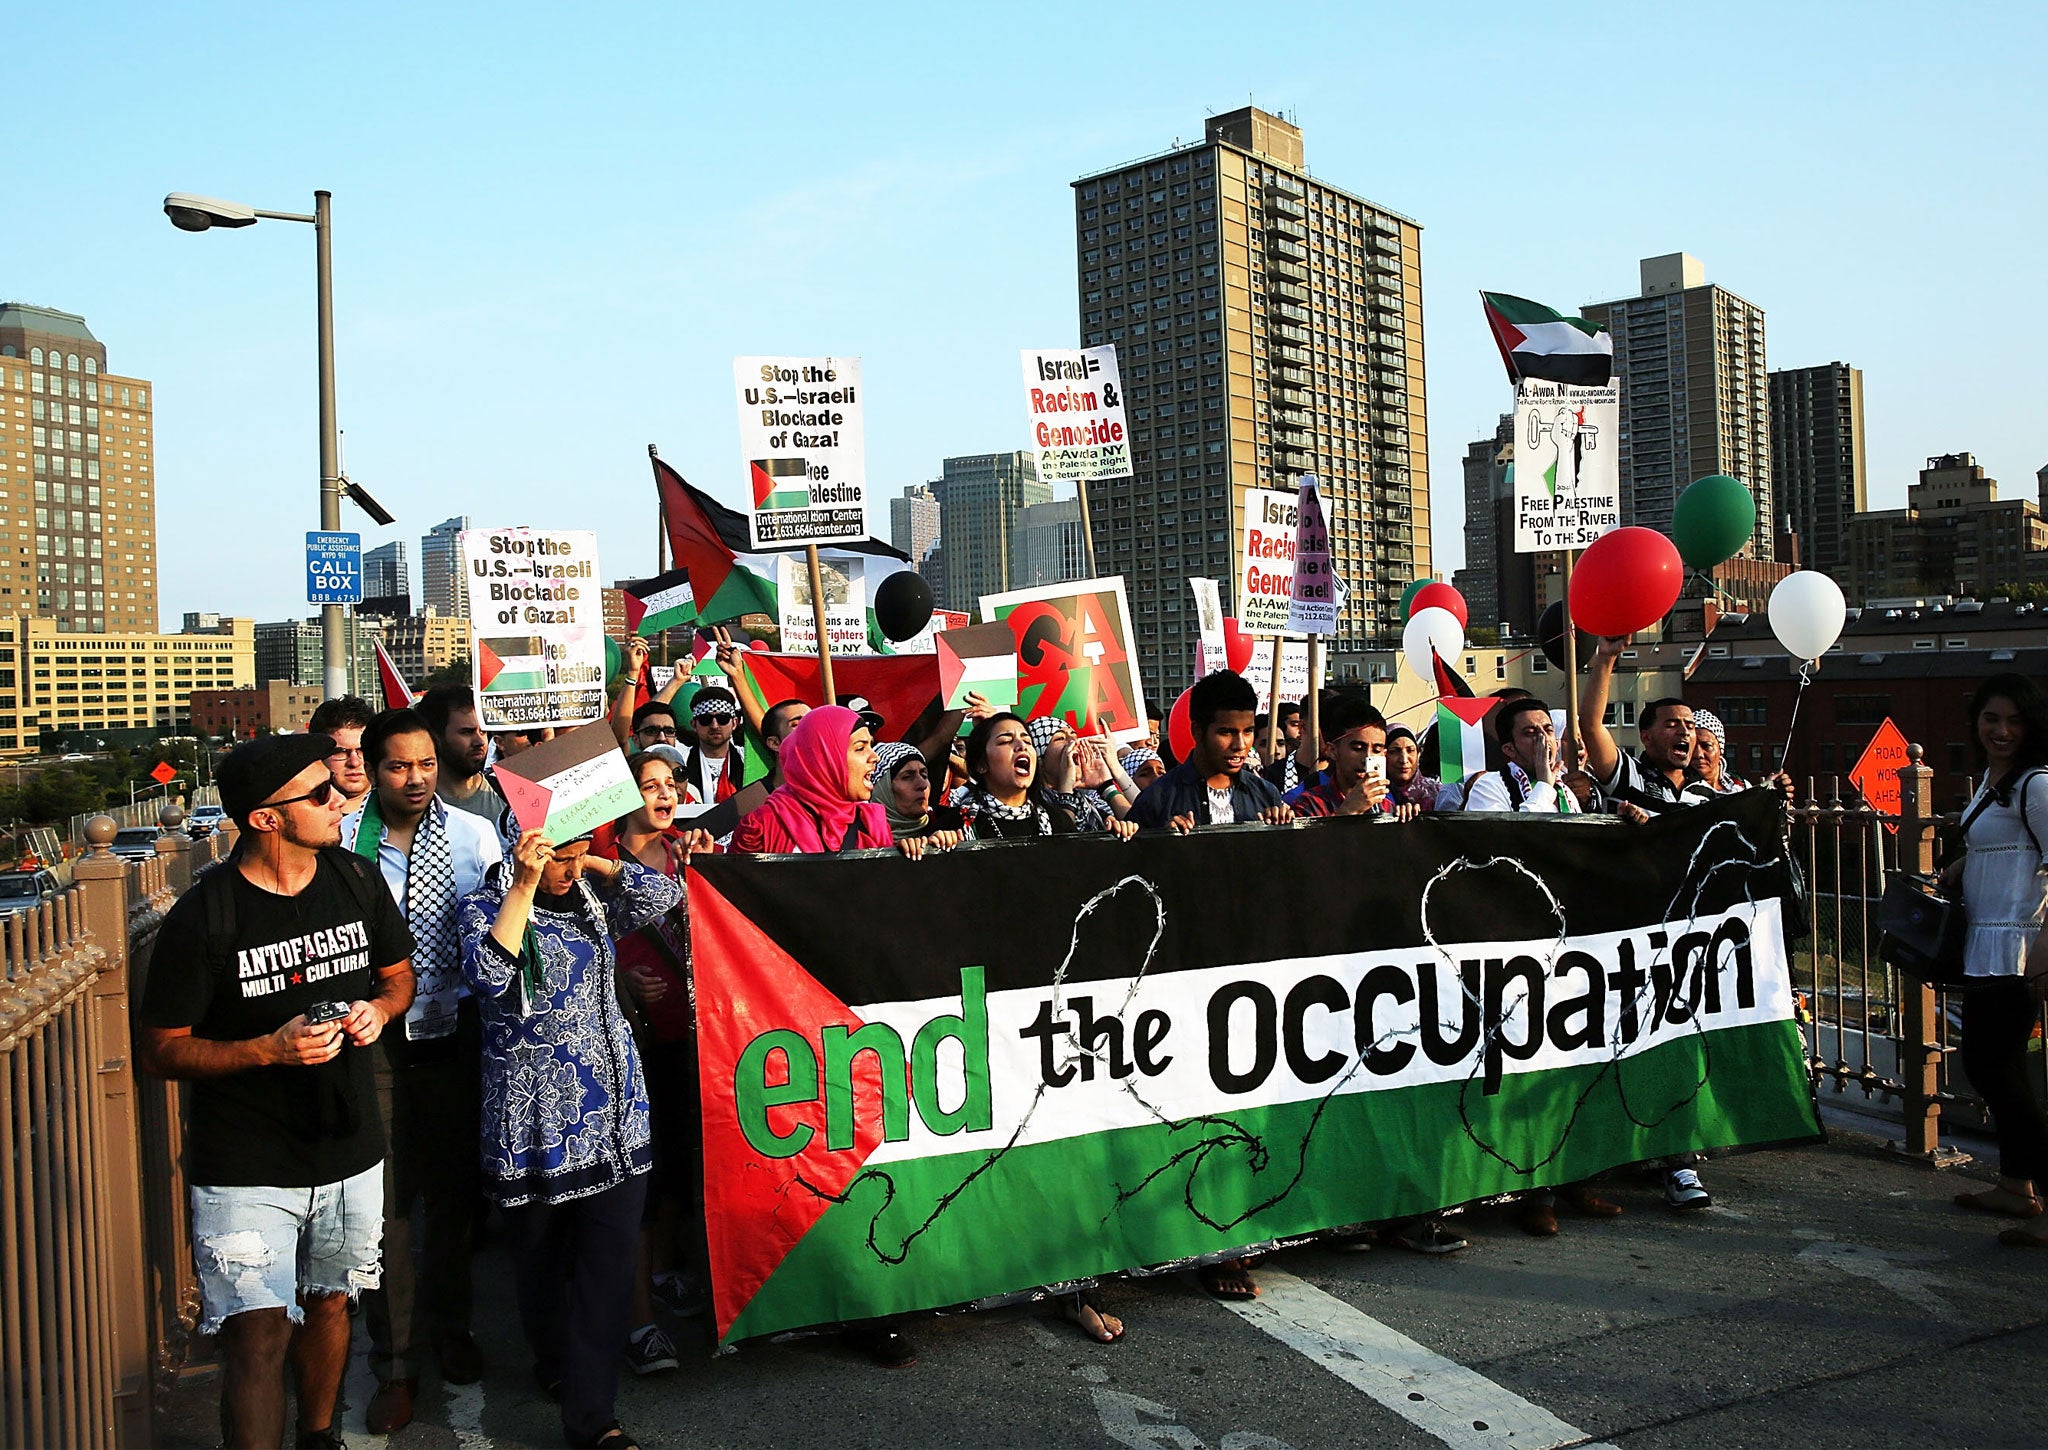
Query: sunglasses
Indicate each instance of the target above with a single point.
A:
(318, 795)
(715, 719)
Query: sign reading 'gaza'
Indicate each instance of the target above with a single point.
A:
(892, 1071)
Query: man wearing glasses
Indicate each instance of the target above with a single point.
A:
(345, 717)
(714, 765)
(269, 978)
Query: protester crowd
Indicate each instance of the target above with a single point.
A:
(396, 1004)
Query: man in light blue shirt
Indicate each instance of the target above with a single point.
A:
(428, 1075)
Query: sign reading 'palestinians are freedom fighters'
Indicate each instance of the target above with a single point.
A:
(911, 1099)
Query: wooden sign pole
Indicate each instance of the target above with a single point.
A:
(818, 614)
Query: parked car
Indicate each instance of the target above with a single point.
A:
(25, 890)
(204, 821)
(136, 843)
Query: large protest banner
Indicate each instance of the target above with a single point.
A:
(800, 433)
(1075, 400)
(914, 1097)
(536, 627)
(1076, 654)
(1567, 464)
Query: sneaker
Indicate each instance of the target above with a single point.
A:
(1427, 1235)
(1683, 1189)
(683, 1295)
(649, 1351)
(325, 1439)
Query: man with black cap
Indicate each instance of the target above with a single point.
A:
(268, 979)
(714, 765)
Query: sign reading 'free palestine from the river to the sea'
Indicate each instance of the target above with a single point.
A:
(911, 1100)
(800, 437)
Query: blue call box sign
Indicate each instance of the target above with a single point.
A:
(334, 568)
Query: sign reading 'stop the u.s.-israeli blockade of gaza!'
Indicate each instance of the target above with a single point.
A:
(1076, 403)
(800, 435)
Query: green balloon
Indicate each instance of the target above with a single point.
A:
(1408, 595)
(1713, 519)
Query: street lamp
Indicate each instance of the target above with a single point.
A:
(191, 213)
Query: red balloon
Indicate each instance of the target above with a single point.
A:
(1439, 595)
(1626, 581)
(1237, 647)
(1180, 728)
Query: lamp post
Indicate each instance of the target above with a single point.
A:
(192, 213)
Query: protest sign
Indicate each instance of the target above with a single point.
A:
(801, 437)
(1258, 672)
(846, 603)
(980, 659)
(1265, 561)
(895, 1077)
(1567, 464)
(570, 784)
(1077, 654)
(1076, 403)
(536, 627)
(1215, 653)
(1312, 605)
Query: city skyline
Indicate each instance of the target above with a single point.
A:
(936, 251)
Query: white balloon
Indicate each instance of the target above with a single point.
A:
(1807, 613)
(1435, 628)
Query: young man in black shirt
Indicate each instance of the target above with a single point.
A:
(267, 980)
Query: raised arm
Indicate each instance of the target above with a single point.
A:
(1603, 756)
(622, 703)
(728, 657)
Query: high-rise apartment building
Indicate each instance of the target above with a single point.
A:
(1268, 325)
(1695, 398)
(425, 644)
(444, 584)
(1817, 459)
(914, 521)
(59, 687)
(1954, 536)
(1050, 546)
(77, 480)
(980, 496)
(384, 571)
(292, 651)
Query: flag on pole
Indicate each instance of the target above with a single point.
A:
(1461, 736)
(397, 694)
(1538, 342)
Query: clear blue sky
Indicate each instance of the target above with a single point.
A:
(557, 225)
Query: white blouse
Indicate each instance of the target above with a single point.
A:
(2004, 888)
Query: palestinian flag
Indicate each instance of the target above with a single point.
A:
(710, 544)
(780, 483)
(661, 603)
(1537, 342)
(397, 694)
(511, 663)
(911, 1100)
(899, 687)
(1461, 735)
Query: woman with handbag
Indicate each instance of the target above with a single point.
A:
(2004, 890)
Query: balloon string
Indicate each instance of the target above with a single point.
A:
(1805, 677)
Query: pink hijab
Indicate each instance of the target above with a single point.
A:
(811, 811)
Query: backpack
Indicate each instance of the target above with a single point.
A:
(217, 898)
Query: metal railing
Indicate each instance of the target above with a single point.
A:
(97, 1299)
(1870, 1028)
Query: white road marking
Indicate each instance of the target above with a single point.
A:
(1459, 1406)
(466, 1416)
(1885, 1269)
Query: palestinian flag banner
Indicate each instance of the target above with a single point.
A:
(661, 603)
(506, 664)
(1539, 342)
(780, 483)
(1461, 736)
(923, 1089)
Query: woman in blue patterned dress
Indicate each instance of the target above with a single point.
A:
(566, 1148)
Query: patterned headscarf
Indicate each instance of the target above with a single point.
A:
(1708, 720)
(1139, 755)
(1045, 729)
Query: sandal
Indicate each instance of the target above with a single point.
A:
(1230, 1280)
(2001, 1201)
(1091, 1319)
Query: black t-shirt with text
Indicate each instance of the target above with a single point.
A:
(291, 1126)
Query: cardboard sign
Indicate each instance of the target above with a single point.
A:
(1312, 606)
(1075, 400)
(1265, 560)
(1214, 652)
(1567, 464)
(1077, 655)
(569, 785)
(801, 437)
(536, 627)
(1877, 771)
(980, 659)
(1294, 682)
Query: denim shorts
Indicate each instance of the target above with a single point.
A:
(261, 1248)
